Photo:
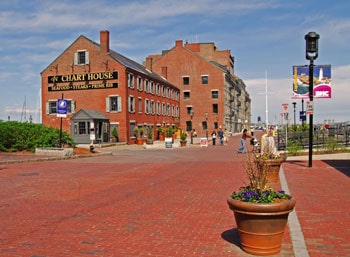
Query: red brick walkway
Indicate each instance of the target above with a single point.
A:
(168, 202)
(323, 204)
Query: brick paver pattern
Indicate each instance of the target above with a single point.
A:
(164, 202)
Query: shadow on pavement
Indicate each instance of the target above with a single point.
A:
(231, 236)
(341, 165)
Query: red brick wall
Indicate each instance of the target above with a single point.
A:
(100, 61)
(181, 62)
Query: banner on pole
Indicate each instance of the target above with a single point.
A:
(322, 81)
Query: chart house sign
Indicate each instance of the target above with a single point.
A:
(65, 82)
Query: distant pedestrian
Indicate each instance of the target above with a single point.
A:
(242, 148)
(221, 136)
(213, 136)
(194, 133)
(226, 135)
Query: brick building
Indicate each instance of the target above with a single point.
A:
(102, 90)
(208, 85)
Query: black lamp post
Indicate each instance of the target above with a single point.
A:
(311, 54)
(191, 115)
(206, 124)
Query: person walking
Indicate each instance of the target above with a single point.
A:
(221, 136)
(242, 148)
(213, 136)
(226, 135)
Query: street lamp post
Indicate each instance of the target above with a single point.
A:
(191, 115)
(206, 124)
(311, 54)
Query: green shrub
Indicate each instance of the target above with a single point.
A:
(294, 148)
(22, 136)
(331, 145)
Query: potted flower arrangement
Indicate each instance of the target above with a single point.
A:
(183, 137)
(115, 137)
(169, 133)
(271, 158)
(261, 213)
(149, 140)
(139, 135)
(161, 132)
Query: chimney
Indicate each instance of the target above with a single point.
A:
(178, 43)
(104, 41)
(149, 63)
(164, 72)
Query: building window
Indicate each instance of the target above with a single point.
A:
(157, 89)
(163, 109)
(131, 131)
(146, 86)
(168, 109)
(205, 79)
(82, 128)
(204, 125)
(189, 109)
(113, 104)
(131, 104)
(158, 108)
(187, 94)
(147, 111)
(215, 94)
(152, 108)
(185, 80)
(51, 107)
(151, 87)
(81, 57)
(215, 108)
(139, 83)
(130, 80)
(140, 104)
(168, 92)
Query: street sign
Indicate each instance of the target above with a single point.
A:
(62, 108)
(309, 107)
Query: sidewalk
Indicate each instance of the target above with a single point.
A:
(161, 202)
(323, 201)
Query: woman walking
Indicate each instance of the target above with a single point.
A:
(245, 135)
(213, 135)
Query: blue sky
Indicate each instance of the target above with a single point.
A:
(266, 39)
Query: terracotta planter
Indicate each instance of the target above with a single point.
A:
(261, 226)
(140, 141)
(183, 143)
(273, 177)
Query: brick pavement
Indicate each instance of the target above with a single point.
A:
(168, 202)
(323, 201)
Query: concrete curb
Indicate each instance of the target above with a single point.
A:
(296, 233)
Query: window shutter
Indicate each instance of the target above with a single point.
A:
(119, 103)
(47, 108)
(87, 60)
(107, 105)
(72, 107)
(75, 58)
